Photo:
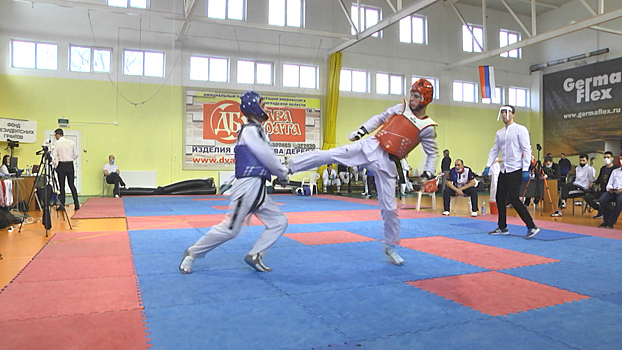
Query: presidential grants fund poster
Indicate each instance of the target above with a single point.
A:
(213, 119)
(582, 108)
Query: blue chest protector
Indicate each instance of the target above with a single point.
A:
(246, 164)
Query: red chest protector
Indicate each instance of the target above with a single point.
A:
(400, 134)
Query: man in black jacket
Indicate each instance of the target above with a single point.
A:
(603, 177)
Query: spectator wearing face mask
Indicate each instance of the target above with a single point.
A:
(598, 187)
(585, 175)
(111, 171)
(461, 182)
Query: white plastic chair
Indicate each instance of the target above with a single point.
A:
(421, 192)
(310, 181)
(106, 188)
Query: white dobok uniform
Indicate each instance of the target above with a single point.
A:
(249, 196)
(330, 179)
(368, 153)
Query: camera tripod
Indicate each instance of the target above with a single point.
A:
(540, 175)
(45, 177)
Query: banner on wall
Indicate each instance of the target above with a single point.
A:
(213, 120)
(18, 130)
(582, 108)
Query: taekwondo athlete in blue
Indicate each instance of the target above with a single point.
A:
(255, 162)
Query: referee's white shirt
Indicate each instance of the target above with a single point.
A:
(515, 147)
(65, 150)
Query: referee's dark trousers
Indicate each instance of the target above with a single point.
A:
(508, 187)
(65, 171)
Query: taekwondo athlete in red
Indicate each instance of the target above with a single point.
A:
(402, 128)
(255, 163)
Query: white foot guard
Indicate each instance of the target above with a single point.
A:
(256, 262)
(186, 262)
(393, 255)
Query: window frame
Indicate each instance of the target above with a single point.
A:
(516, 89)
(244, 11)
(92, 58)
(389, 86)
(208, 68)
(255, 63)
(499, 99)
(352, 70)
(463, 83)
(299, 65)
(143, 72)
(411, 29)
(377, 34)
(508, 54)
(286, 15)
(128, 4)
(35, 58)
(474, 47)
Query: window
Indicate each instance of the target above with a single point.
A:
(86, 59)
(209, 68)
(300, 76)
(141, 4)
(285, 13)
(468, 42)
(353, 80)
(370, 16)
(226, 9)
(506, 38)
(497, 99)
(413, 29)
(250, 72)
(433, 81)
(389, 84)
(464, 91)
(517, 97)
(28, 54)
(147, 63)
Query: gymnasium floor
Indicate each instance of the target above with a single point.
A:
(112, 281)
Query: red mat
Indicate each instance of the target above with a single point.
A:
(100, 208)
(71, 268)
(474, 253)
(327, 237)
(109, 330)
(113, 244)
(496, 293)
(199, 221)
(20, 301)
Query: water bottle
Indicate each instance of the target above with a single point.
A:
(484, 207)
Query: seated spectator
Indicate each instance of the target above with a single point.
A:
(585, 175)
(564, 167)
(461, 182)
(329, 178)
(111, 171)
(598, 187)
(613, 194)
(344, 177)
(4, 168)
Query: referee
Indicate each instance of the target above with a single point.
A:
(65, 152)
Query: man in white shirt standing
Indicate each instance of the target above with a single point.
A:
(111, 171)
(329, 178)
(63, 154)
(515, 147)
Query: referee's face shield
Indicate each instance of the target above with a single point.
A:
(506, 113)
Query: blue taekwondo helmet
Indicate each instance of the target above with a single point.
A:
(249, 105)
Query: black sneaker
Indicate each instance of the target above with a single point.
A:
(499, 231)
(604, 225)
(532, 232)
(598, 216)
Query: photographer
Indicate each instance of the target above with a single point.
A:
(64, 153)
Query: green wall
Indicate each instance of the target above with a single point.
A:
(148, 136)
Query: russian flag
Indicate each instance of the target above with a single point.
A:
(487, 81)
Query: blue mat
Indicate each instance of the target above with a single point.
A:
(348, 294)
